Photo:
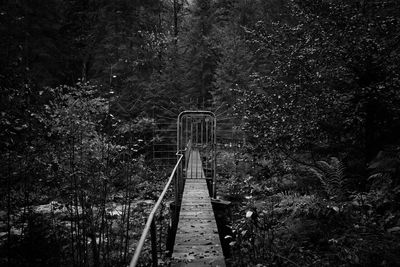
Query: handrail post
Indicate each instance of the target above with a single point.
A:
(153, 234)
(180, 179)
(176, 178)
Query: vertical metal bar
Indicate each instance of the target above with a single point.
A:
(176, 185)
(192, 141)
(206, 131)
(191, 130)
(207, 144)
(181, 178)
(215, 158)
(186, 126)
(180, 184)
(183, 146)
(153, 233)
(196, 134)
(191, 164)
(211, 146)
(197, 162)
(201, 132)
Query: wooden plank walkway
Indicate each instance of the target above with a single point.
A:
(197, 241)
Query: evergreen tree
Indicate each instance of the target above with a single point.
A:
(200, 58)
(234, 68)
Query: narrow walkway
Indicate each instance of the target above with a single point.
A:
(197, 241)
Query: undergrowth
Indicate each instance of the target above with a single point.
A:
(311, 216)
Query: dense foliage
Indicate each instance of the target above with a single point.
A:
(313, 86)
(321, 115)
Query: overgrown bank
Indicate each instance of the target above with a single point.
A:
(286, 214)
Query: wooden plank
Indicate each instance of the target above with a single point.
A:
(197, 241)
(195, 168)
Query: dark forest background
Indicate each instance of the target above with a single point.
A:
(314, 86)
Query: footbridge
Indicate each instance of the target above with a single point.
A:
(192, 237)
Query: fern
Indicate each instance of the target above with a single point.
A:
(332, 177)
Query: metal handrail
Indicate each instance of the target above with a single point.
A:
(150, 220)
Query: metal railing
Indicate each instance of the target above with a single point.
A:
(197, 129)
(150, 226)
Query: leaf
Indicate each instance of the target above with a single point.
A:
(249, 213)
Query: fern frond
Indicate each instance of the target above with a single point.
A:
(324, 166)
(318, 174)
(375, 176)
(331, 176)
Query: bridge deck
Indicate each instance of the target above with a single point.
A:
(197, 241)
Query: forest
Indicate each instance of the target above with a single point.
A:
(309, 91)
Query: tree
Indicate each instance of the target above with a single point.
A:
(200, 56)
(328, 87)
(234, 68)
